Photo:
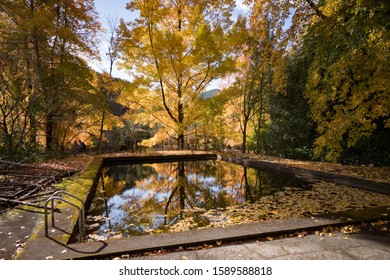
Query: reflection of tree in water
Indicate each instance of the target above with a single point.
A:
(121, 177)
(115, 180)
(193, 194)
(258, 183)
(178, 191)
(159, 196)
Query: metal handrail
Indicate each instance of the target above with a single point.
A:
(51, 199)
(82, 208)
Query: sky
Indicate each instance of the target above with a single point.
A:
(117, 9)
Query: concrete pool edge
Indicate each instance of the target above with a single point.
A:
(67, 219)
(369, 185)
(139, 244)
(84, 187)
(158, 158)
(40, 247)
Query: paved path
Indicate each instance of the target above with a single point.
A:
(16, 227)
(365, 245)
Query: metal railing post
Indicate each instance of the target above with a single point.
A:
(80, 218)
(82, 207)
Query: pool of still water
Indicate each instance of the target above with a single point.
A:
(138, 199)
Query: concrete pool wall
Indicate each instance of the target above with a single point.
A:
(86, 183)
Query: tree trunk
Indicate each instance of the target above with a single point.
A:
(260, 116)
(49, 131)
(101, 132)
(243, 147)
(181, 141)
(180, 113)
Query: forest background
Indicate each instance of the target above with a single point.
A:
(300, 79)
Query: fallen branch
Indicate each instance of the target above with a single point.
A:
(11, 163)
(27, 176)
(13, 195)
(33, 191)
(38, 195)
(14, 201)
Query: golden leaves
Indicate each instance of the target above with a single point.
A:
(347, 75)
(350, 229)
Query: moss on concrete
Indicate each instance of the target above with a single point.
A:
(82, 187)
(66, 219)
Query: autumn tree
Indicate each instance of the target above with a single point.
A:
(111, 55)
(48, 39)
(348, 78)
(18, 88)
(211, 130)
(175, 49)
(291, 131)
(345, 47)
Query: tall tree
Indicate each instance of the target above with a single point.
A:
(175, 49)
(291, 131)
(288, 19)
(53, 35)
(348, 79)
(111, 56)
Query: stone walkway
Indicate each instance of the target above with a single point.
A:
(365, 245)
(16, 227)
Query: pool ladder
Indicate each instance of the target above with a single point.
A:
(81, 210)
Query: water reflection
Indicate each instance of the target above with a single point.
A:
(139, 198)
